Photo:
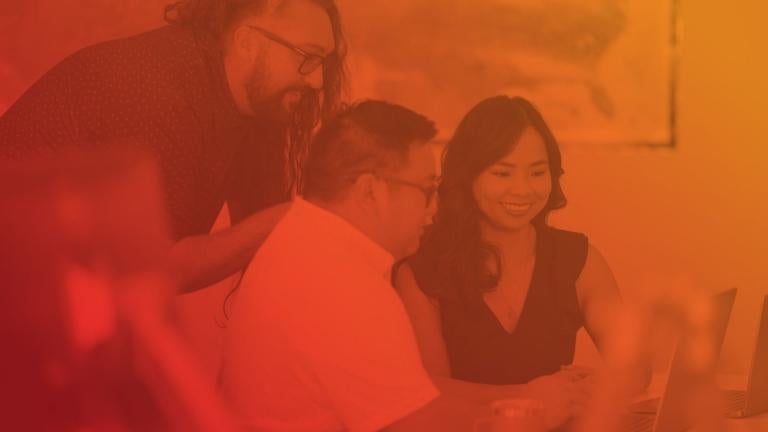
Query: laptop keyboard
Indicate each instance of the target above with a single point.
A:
(638, 423)
(735, 400)
(647, 406)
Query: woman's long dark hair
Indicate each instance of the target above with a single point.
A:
(213, 18)
(453, 258)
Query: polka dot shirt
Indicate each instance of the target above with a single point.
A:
(164, 92)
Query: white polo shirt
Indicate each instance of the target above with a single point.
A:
(318, 339)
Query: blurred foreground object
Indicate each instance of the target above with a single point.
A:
(86, 340)
(754, 399)
(690, 398)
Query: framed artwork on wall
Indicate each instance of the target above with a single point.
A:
(603, 72)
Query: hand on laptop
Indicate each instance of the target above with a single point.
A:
(564, 393)
(584, 383)
(578, 372)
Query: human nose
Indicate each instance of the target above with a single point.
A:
(519, 184)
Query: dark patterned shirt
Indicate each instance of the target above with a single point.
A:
(165, 93)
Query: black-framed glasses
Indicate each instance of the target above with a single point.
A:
(430, 192)
(310, 62)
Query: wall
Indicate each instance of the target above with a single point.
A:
(695, 215)
(692, 216)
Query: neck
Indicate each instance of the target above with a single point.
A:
(514, 245)
(357, 219)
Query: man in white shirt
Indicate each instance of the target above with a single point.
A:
(318, 339)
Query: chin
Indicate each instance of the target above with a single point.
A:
(278, 110)
(512, 225)
(291, 101)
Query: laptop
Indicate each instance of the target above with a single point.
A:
(667, 414)
(753, 400)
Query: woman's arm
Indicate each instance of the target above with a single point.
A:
(599, 297)
(426, 321)
(601, 304)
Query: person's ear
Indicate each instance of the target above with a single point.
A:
(369, 191)
(244, 44)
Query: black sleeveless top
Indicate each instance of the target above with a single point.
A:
(481, 350)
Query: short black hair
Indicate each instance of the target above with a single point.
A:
(368, 136)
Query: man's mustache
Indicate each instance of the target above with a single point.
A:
(306, 94)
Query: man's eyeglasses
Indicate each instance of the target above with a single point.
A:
(311, 61)
(430, 192)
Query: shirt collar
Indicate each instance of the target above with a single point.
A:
(328, 224)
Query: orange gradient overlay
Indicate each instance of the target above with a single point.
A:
(658, 107)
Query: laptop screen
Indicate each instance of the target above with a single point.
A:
(685, 379)
(757, 386)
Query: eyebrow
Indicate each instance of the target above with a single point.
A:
(512, 165)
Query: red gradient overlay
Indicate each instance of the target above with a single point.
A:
(675, 225)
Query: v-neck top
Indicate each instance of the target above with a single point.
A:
(481, 350)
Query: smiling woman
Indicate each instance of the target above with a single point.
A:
(515, 189)
(492, 280)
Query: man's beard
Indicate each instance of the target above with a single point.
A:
(295, 123)
(272, 108)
